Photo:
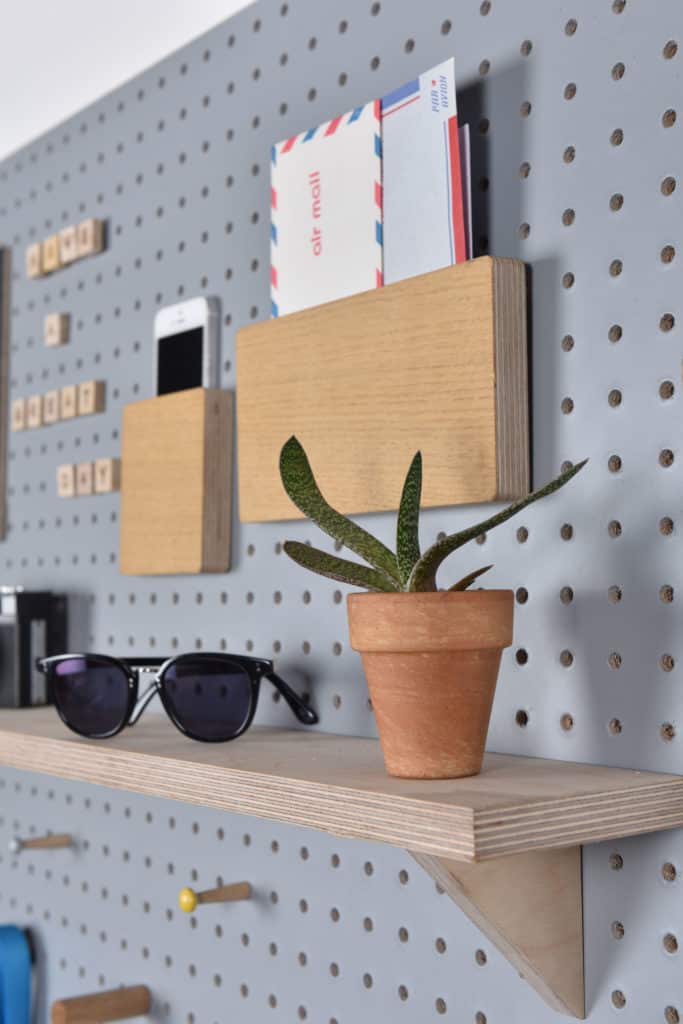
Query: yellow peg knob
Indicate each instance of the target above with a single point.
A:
(189, 900)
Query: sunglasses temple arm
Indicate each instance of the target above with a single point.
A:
(143, 701)
(302, 711)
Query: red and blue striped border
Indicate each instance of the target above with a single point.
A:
(400, 98)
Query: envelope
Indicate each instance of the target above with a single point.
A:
(326, 211)
(424, 220)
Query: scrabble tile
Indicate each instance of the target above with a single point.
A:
(51, 407)
(50, 252)
(107, 475)
(34, 260)
(68, 244)
(19, 414)
(84, 478)
(66, 481)
(90, 397)
(67, 402)
(34, 412)
(56, 329)
(90, 237)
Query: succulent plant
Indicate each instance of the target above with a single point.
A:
(406, 571)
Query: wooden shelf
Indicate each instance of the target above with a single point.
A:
(505, 845)
(338, 784)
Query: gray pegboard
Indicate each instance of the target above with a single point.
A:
(337, 931)
(177, 163)
(576, 153)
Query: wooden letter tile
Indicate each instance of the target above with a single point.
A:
(19, 414)
(66, 481)
(50, 251)
(67, 402)
(34, 260)
(90, 397)
(90, 237)
(84, 478)
(68, 244)
(34, 412)
(51, 407)
(107, 475)
(56, 329)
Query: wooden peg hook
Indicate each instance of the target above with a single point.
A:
(116, 1004)
(189, 900)
(49, 842)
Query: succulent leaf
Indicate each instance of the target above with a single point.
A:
(299, 482)
(339, 568)
(407, 536)
(468, 580)
(423, 576)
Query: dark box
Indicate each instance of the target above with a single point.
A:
(32, 625)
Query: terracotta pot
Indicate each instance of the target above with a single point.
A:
(431, 662)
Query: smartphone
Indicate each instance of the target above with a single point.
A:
(186, 345)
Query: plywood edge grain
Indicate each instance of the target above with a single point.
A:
(651, 805)
(511, 378)
(218, 448)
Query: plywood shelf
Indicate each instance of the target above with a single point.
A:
(338, 784)
(505, 845)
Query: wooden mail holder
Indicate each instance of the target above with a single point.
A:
(436, 363)
(176, 468)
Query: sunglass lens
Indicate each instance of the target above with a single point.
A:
(210, 699)
(91, 696)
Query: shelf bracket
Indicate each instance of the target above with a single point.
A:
(530, 907)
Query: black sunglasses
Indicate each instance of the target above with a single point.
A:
(209, 697)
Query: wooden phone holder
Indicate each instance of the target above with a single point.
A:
(176, 483)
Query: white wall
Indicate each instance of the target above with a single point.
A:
(56, 56)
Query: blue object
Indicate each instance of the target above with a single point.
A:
(15, 976)
(402, 93)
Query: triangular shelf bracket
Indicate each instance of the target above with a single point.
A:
(530, 908)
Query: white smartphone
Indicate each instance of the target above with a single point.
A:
(186, 345)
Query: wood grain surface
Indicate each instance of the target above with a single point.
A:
(176, 483)
(226, 893)
(530, 907)
(50, 842)
(436, 362)
(338, 784)
(115, 1004)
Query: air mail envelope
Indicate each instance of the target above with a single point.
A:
(424, 225)
(326, 211)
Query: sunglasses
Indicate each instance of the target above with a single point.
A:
(209, 697)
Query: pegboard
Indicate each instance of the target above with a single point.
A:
(576, 157)
(336, 931)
